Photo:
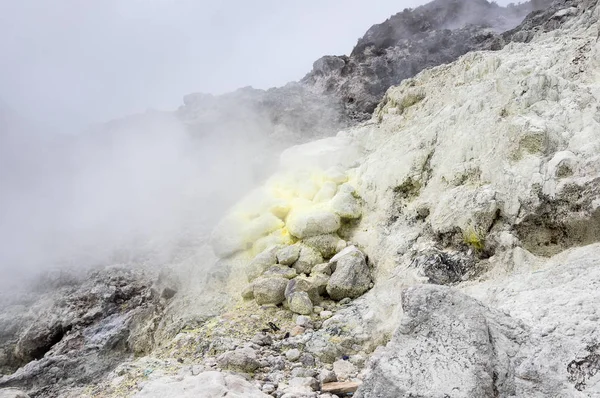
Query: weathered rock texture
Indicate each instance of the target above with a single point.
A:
(204, 385)
(73, 331)
(541, 341)
(447, 344)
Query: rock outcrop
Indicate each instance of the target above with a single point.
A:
(343, 90)
(540, 341)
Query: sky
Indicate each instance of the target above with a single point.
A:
(68, 63)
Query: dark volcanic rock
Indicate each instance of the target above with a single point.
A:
(70, 331)
(407, 43)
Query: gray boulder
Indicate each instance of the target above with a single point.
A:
(288, 255)
(308, 258)
(303, 284)
(300, 303)
(260, 264)
(448, 344)
(282, 271)
(270, 290)
(242, 360)
(351, 277)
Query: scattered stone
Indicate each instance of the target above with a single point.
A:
(260, 264)
(262, 339)
(304, 321)
(352, 276)
(300, 303)
(268, 388)
(242, 359)
(248, 292)
(303, 372)
(288, 255)
(327, 245)
(282, 271)
(296, 331)
(303, 284)
(327, 376)
(308, 258)
(308, 383)
(270, 290)
(324, 269)
(326, 314)
(319, 282)
(344, 370)
(293, 354)
(307, 360)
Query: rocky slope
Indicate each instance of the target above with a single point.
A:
(482, 175)
(341, 90)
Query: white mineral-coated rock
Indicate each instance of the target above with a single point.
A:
(345, 205)
(560, 304)
(205, 385)
(484, 137)
(326, 192)
(304, 223)
(12, 393)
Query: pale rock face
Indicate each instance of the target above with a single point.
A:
(12, 393)
(528, 335)
(204, 385)
(461, 348)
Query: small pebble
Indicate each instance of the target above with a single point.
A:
(293, 354)
(326, 314)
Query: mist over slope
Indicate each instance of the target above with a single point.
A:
(141, 187)
(305, 281)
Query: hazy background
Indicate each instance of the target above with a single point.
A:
(140, 188)
(66, 63)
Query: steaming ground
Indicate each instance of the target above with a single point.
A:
(141, 189)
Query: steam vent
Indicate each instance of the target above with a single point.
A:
(418, 218)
